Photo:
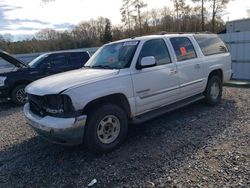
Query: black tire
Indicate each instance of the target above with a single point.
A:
(95, 117)
(211, 99)
(15, 95)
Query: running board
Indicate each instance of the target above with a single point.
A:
(160, 111)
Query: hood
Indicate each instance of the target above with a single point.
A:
(60, 82)
(10, 59)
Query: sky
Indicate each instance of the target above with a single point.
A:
(26, 17)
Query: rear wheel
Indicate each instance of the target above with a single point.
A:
(213, 91)
(106, 128)
(18, 95)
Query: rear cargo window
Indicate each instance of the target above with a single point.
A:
(211, 44)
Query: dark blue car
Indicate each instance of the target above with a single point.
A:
(15, 75)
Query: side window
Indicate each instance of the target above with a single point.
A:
(156, 48)
(183, 48)
(211, 44)
(79, 58)
(59, 60)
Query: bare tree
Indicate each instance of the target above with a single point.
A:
(176, 7)
(167, 19)
(182, 12)
(47, 34)
(139, 5)
(155, 18)
(127, 13)
(202, 13)
(218, 6)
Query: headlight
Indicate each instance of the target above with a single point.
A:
(51, 105)
(2, 80)
(58, 105)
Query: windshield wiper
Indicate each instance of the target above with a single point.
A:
(102, 67)
(87, 67)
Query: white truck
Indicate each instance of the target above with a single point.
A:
(128, 81)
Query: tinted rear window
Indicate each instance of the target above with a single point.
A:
(211, 44)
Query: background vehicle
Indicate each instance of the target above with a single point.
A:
(132, 80)
(15, 75)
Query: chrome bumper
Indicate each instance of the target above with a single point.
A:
(66, 131)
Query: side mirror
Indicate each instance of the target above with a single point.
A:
(147, 62)
(46, 66)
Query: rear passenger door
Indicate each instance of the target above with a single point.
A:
(189, 67)
(58, 63)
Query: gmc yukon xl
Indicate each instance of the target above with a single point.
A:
(128, 81)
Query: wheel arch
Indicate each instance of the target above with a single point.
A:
(118, 99)
(216, 72)
(17, 83)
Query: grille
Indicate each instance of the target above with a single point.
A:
(36, 104)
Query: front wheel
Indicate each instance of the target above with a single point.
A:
(213, 91)
(18, 95)
(106, 128)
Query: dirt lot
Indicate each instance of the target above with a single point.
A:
(197, 146)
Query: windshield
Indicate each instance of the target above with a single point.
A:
(37, 60)
(113, 56)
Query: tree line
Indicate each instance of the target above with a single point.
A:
(203, 15)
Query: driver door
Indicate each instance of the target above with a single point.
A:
(158, 85)
(57, 63)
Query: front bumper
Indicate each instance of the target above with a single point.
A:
(66, 131)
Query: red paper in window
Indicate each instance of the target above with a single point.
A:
(183, 51)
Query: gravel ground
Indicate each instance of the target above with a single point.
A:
(197, 146)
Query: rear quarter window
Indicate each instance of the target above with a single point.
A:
(211, 44)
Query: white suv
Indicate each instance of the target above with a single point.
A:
(128, 81)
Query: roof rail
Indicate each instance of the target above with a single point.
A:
(204, 32)
(165, 33)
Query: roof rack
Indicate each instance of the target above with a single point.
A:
(204, 32)
(165, 32)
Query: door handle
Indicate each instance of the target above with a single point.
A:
(172, 71)
(197, 66)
